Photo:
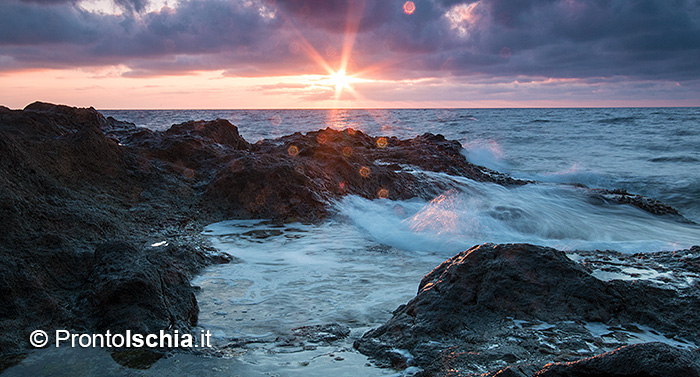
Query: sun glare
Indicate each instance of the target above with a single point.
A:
(340, 80)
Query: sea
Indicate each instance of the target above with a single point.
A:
(369, 256)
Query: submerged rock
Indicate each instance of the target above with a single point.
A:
(136, 358)
(322, 333)
(495, 305)
(642, 202)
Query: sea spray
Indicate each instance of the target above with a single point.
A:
(561, 216)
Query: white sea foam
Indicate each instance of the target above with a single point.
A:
(575, 174)
(636, 335)
(486, 153)
(545, 214)
(296, 275)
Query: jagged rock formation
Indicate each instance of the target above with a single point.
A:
(481, 309)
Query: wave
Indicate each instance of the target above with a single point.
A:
(617, 120)
(544, 214)
(575, 175)
(674, 159)
(486, 153)
(535, 121)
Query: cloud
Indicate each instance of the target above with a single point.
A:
(132, 5)
(48, 2)
(279, 86)
(644, 40)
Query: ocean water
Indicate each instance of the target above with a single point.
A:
(359, 265)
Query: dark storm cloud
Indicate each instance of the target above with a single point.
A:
(26, 25)
(644, 39)
(132, 5)
(49, 1)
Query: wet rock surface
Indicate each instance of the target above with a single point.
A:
(498, 305)
(647, 204)
(322, 333)
(124, 282)
(649, 359)
(66, 189)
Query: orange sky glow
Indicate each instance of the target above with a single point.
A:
(338, 75)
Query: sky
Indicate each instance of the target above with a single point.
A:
(257, 54)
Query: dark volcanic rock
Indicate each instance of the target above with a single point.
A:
(131, 289)
(66, 187)
(479, 309)
(192, 147)
(295, 177)
(648, 359)
(645, 359)
(322, 333)
(219, 131)
(647, 204)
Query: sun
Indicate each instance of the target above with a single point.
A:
(340, 81)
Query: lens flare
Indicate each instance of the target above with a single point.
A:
(409, 7)
(188, 173)
(505, 52)
(381, 142)
(260, 199)
(365, 172)
(293, 150)
(294, 48)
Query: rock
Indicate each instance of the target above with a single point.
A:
(132, 290)
(81, 117)
(200, 146)
(219, 131)
(296, 176)
(647, 359)
(520, 303)
(644, 203)
(67, 187)
(322, 333)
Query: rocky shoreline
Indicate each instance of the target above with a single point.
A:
(102, 226)
(84, 197)
(521, 307)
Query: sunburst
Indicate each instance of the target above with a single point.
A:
(340, 80)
